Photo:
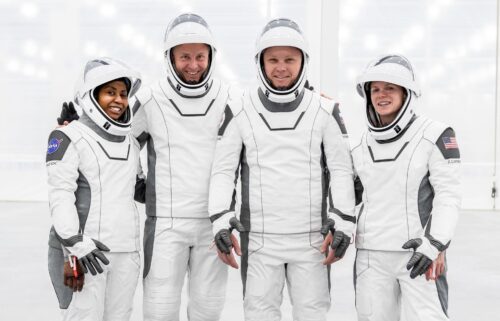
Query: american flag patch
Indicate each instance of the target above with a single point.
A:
(450, 142)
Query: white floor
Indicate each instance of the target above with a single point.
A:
(26, 293)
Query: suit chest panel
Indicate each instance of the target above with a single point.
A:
(394, 168)
(289, 138)
(108, 163)
(179, 125)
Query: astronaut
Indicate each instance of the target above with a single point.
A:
(178, 118)
(408, 166)
(92, 165)
(282, 138)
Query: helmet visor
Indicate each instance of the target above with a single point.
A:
(187, 17)
(399, 60)
(282, 22)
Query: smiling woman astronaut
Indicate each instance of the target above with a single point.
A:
(92, 165)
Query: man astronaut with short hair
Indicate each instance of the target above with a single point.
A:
(178, 118)
(282, 138)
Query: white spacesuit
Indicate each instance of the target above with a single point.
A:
(179, 122)
(409, 170)
(92, 165)
(281, 140)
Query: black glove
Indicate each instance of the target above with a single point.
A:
(68, 113)
(140, 190)
(223, 237)
(419, 262)
(340, 241)
(87, 251)
(89, 261)
(358, 190)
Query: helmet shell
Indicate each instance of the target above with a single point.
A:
(395, 69)
(281, 32)
(100, 71)
(185, 29)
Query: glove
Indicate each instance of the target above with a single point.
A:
(358, 190)
(88, 251)
(68, 113)
(74, 278)
(140, 190)
(222, 238)
(340, 241)
(423, 256)
(225, 240)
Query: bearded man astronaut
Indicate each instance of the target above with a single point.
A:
(291, 148)
(178, 118)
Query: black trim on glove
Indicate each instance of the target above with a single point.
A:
(68, 113)
(89, 262)
(340, 241)
(418, 263)
(223, 238)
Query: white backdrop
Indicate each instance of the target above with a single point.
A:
(452, 43)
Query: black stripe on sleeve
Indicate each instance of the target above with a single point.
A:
(226, 118)
(142, 139)
(136, 107)
(343, 216)
(358, 190)
(339, 119)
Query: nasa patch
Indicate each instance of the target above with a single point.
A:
(54, 144)
(58, 143)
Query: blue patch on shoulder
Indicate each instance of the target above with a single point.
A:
(54, 144)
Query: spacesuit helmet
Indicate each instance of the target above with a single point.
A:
(397, 70)
(281, 32)
(185, 29)
(98, 72)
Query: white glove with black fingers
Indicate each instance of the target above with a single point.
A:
(222, 227)
(340, 240)
(425, 253)
(87, 251)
